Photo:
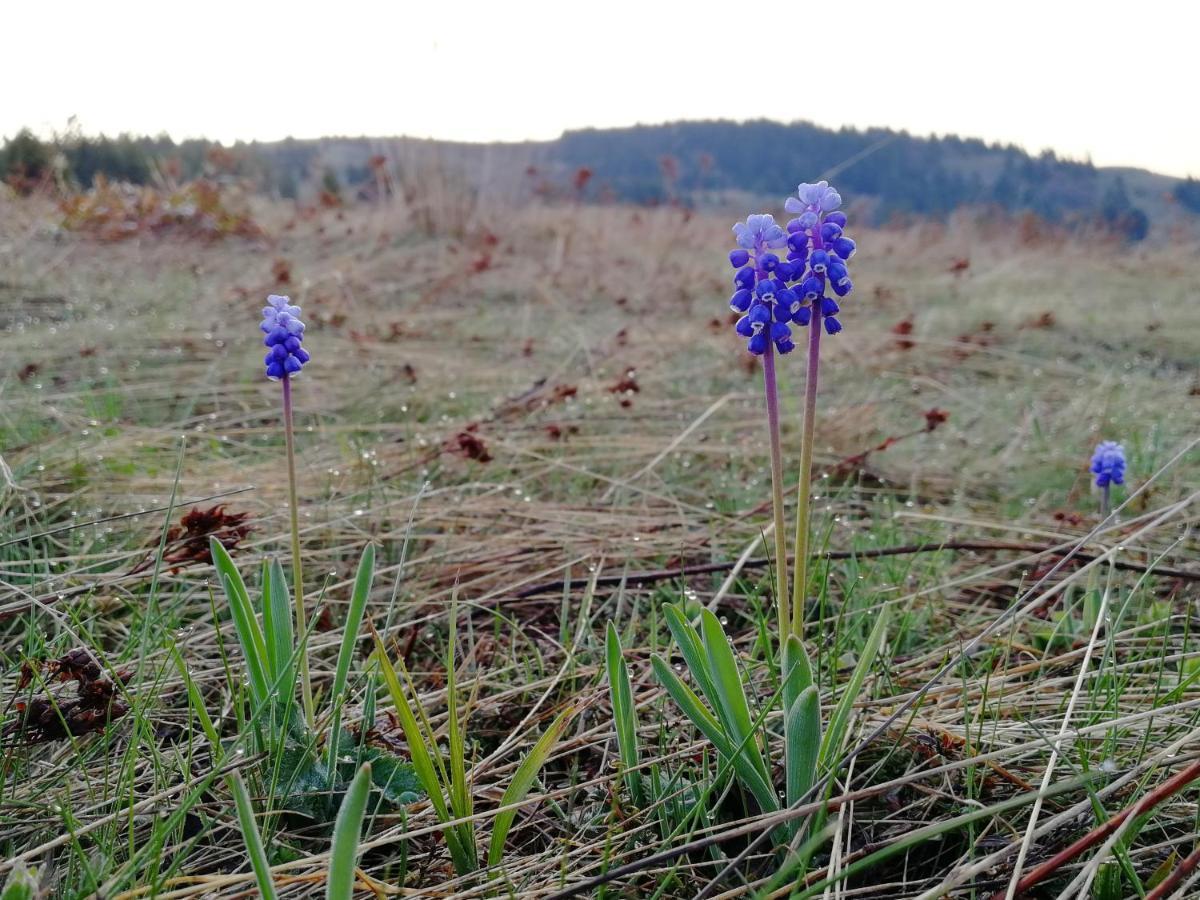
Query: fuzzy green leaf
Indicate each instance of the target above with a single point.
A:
(346, 831)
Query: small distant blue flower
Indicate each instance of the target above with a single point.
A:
(284, 332)
(818, 251)
(760, 285)
(1108, 464)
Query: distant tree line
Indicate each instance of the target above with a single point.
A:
(686, 162)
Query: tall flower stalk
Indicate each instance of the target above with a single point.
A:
(717, 700)
(767, 306)
(285, 358)
(817, 251)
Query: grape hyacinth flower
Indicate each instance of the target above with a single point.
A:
(818, 252)
(284, 330)
(767, 305)
(1108, 465)
(761, 293)
(285, 358)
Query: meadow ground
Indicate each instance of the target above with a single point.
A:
(521, 406)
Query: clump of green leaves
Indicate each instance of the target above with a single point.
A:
(301, 777)
(447, 781)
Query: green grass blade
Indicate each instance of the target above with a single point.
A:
(341, 674)
(459, 795)
(841, 713)
(196, 701)
(418, 751)
(802, 733)
(694, 709)
(624, 715)
(521, 782)
(346, 831)
(250, 834)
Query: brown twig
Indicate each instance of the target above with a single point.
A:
(759, 562)
(1172, 785)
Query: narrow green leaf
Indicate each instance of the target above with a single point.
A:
(346, 831)
(417, 750)
(692, 649)
(250, 639)
(802, 733)
(624, 715)
(354, 617)
(279, 630)
(250, 834)
(196, 701)
(521, 782)
(797, 670)
(460, 795)
(426, 765)
(840, 718)
(730, 700)
(694, 709)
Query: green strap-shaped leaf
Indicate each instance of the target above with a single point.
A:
(692, 649)
(521, 782)
(249, 634)
(624, 714)
(346, 831)
(730, 701)
(354, 617)
(802, 734)
(250, 639)
(279, 632)
(250, 834)
(797, 670)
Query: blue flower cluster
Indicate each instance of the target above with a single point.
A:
(760, 286)
(284, 330)
(1108, 464)
(773, 293)
(818, 251)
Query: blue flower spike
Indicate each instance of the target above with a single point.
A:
(760, 285)
(818, 249)
(1108, 464)
(284, 333)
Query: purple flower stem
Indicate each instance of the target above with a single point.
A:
(1104, 500)
(297, 573)
(781, 570)
(804, 487)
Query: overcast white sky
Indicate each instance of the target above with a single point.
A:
(1116, 82)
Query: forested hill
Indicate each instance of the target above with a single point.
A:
(900, 172)
(700, 163)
